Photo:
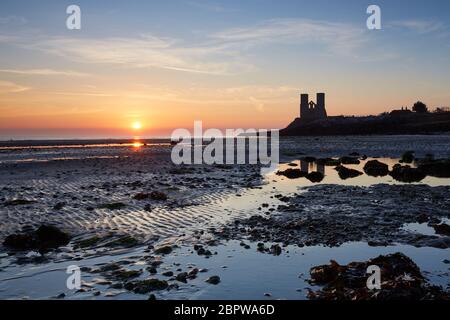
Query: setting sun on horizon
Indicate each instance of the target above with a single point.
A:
(137, 125)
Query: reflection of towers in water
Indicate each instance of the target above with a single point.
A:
(304, 166)
(308, 167)
(321, 168)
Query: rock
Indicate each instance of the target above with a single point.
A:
(18, 202)
(124, 241)
(401, 280)
(141, 196)
(443, 229)
(163, 250)
(157, 195)
(407, 174)
(123, 274)
(349, 160)
(407, 157)
(315, 176)
(308, 159)
(146, 286)
(182, 277)
(152, 270)
(59, 206)
(292, 173)
(376, 168)
(422, 218)
(192, 274)
(113, 206)
(43, 239)
(152, 297)
(167, 274)
(213, 280)
(436, 168)
(325, 273)
(346, 173)
(275, 250)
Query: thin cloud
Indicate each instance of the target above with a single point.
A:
(339, 37)
(142, 52)
(13, 20)
(10, 87)
(419, 26)
(45, 72)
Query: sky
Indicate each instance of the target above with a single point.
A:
(230, 64)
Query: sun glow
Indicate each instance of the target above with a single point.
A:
(137, 144)
(136, 125)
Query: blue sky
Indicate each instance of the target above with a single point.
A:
(216, 59)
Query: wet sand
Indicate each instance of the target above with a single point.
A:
(214, 218)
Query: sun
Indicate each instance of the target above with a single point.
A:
(136, 125)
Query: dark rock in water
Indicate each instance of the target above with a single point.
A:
(346, 173)
(423, 218)
(401, 280)
(407, 157)
(151, 297)
(43, 239)
(154, 195)
(407, 174)
(59, 206)
(124, 241)
(141, 196)
(113, 206)
(167, 274)
(123, 274)
(275, 250)
(315, 176)
(163, 250)
(349, 160)
(157, 195)
(376, 168)
(152, 270)
(51, 237)
(20, 241)
(308, 159)
(213, 280)
(443, 229)
(18, 202)
(182, 277)
(292, 173)
(146, 286)
(436, 168)
(193, 273)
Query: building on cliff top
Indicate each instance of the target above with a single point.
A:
(310, 111)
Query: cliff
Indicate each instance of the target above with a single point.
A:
(413, 123)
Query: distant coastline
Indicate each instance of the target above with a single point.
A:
(385, 124)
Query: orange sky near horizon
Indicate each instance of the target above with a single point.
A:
(241, 67)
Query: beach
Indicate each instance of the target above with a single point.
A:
(141, 226)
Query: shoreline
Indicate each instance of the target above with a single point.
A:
(184, 232)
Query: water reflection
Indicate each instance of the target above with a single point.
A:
(303, 167)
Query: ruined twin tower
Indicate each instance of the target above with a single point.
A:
(312, 111)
